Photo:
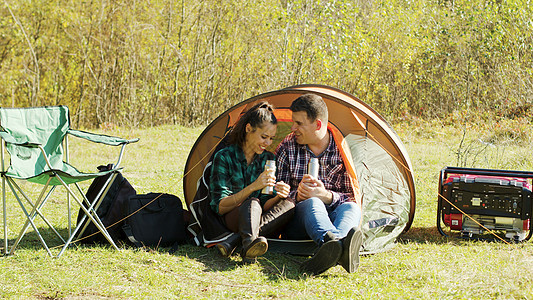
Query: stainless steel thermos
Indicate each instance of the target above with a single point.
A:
(312, 167)
(270, 164)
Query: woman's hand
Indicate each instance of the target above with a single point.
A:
(266, 178)
(282, 189)
(282, 192)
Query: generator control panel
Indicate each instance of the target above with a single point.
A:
(502, 197)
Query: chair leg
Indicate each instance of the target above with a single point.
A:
(69, 213)
(89, 213)
(21, 234)
(93, 206)
(67, 160)
(36, 208)
(97, 201)
(4, 208)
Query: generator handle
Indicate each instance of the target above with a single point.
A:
(440, 214)
(530, 230)
(487, 172)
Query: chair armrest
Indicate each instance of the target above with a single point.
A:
(100, 138)
(18, 141)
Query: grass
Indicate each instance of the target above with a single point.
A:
(422, 265)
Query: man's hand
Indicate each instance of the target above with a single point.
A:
(312, 187)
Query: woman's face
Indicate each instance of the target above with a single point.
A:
(259, 138)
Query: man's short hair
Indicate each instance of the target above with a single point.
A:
(313, 105)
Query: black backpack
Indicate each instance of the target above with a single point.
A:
(110, 210)
(155, 219)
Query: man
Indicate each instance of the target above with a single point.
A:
(327, 209)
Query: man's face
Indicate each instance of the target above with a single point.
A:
(304, 129)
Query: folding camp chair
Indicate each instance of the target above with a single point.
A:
(36, 139)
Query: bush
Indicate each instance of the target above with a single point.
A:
(181, 62)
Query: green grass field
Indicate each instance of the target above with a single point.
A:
(422, 264)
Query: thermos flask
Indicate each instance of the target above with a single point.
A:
(312, 167)
(270, 164)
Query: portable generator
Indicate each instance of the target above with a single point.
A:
(473, 201)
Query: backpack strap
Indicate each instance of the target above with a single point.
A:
(129, 234)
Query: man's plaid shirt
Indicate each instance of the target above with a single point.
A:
(292, 160)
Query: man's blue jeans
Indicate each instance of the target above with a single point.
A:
(312, 219)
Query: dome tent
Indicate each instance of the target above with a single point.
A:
(380, 160)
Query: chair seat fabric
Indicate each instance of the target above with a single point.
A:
(68, 173)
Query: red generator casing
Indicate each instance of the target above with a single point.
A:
(473, 201)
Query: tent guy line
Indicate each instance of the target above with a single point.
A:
(440, 195)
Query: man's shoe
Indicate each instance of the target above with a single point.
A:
(351, 245)
(326, 257)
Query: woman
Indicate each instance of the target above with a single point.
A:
(237, 177)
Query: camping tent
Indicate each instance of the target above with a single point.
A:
(381, 163)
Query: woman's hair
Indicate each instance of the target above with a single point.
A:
(256, 116)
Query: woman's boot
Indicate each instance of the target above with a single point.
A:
(253, 245)
(273, 220)
(227, 246)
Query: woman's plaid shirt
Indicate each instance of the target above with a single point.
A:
(231, 173)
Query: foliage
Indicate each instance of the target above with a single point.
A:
(134, 63)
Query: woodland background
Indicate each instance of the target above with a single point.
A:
(147, 63)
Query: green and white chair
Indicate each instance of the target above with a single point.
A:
(37, 143)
